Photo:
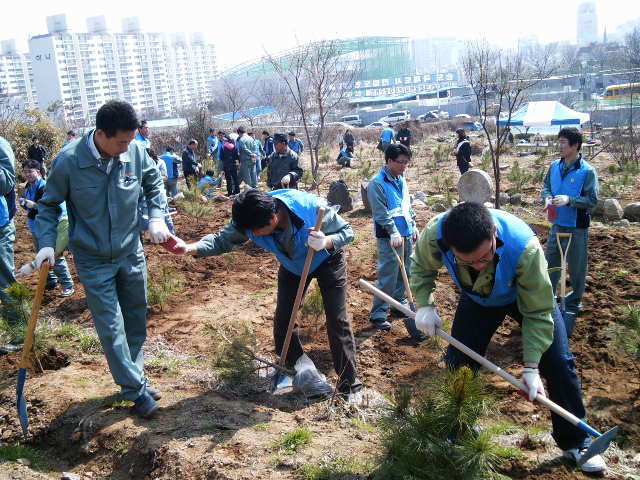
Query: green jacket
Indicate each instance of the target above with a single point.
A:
(102, 208)
(535, 297)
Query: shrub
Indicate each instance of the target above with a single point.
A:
(518, 176)
(232, 358)
(432, 435)
(629, 336)
(294, 440)
(312, 304)
(18, 307)
(161, 287)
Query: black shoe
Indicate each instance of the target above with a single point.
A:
(410, 325)
(51, 285)
(380, 323)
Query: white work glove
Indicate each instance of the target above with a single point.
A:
(286, 180)
(317, 240)
(158, 231)
(531, 379)
(427, 320)
(45, 253)
(29, 203)
(561, 200)
(548, 201)
(396, 240)
(415, 235)
(26, 269)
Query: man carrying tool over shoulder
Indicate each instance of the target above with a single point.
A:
(281, 221)
(571, 185)
(101, 177)
(498, 264)
(394, 228)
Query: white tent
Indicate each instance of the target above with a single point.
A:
(545, 114)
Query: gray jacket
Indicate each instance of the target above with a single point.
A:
(246, 147)
(281, 165)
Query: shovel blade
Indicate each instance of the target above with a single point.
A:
(20, 401)
(599, 445)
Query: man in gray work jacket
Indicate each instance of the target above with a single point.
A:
(101, 177)
(284, 169)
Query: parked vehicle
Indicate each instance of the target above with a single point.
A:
(397, 117)
(462, 115)
(377, 124)
(353, 120)
(472, 126)
(432, 114)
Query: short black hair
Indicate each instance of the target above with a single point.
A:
(240, 130)
(114, 116)
(143, 123)
(210, 173)
(211, 130)
(393, 151)
(293, 134)
(280, 138)
(152, 154)
(466, 226)
(192, 141)
(253, 209)
(220, 132)
(573, 136)
(31, 164)
(461, 131)
(34, 138)
(250, 134)
(264, 132)
(169, 149)
(71, 132)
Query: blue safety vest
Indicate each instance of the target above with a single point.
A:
(305, 206)
(570, 185)
(398, 203)
(295, 145)
(212, 144)
(142, 140)
(170, 161)
(30, 194)
(387, 135)
(515, 235)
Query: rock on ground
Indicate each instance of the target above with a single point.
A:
(363, 193)
(339, 195)
(612, 209)
(632, 212)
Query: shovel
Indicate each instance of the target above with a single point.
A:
(563, 268)
(26, 349)
(409, 323)
(601, 441)
(296, 305)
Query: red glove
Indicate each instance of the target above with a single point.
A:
(174, 245)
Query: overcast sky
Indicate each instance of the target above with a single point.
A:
(243, 30)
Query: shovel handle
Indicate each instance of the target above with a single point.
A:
(35, 310)
(300, 292)
(570, 417)
(403, 271)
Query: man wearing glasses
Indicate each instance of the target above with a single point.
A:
(499, 266)
(394, 227)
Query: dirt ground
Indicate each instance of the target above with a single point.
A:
(208, 431)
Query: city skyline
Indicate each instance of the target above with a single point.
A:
(278, 26)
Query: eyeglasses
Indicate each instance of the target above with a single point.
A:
(402, 162)
(483, 260)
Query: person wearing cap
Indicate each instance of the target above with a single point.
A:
(462, 151)
(395, 229)
(571, 185)
(498, 265)
(282, 222)
(284, 169)
(295, 144)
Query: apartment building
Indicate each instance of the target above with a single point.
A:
(155, 72)
(16, 78)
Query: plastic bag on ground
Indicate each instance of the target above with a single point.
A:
(308, 381)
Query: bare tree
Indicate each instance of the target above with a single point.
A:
(275, 93)
(231, 96)
(316, 76)
(502, 78)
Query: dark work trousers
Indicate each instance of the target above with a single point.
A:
(463, 165)
(474, 325)
(231, 176)
(332, 280)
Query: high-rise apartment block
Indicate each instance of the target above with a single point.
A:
(587, 24)
(16, 78)
(157, 73)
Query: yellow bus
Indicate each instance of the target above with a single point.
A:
(613, 92)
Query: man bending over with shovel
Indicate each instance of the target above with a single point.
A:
(498, 264)
(282, 222)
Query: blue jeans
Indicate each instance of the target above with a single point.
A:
(577, 261)
(474, 325)
(248, 173)
(116, 294)
(390, 276)
(7, 276)
(60, 270)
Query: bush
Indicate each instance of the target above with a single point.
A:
(518, 177)
(312, 305)
(432, 435)
(18, 306)
(294, 440)
(232, 360)
(161, 287)
(629, 337)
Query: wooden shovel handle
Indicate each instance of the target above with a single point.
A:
(301, 285)
(403, 272)
(35, 310)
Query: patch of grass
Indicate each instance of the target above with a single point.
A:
(89, 343)
(161, 287)
(260, 427)
(81, 381)
(119, 448)
(500, 428)
(620, 274)
(164, 362)
(68, 331)
(312, 305)
(629, 336)
(122, 403)
(363, 425)
(294, 440)
(536, 430)
(13, 452)
(262, 293)
(337, 468)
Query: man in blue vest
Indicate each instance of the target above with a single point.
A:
(281, 221)
(387, 137)
(498, 264)
(268, 148)
(171, 161)
(142, 137)
(571, 184)
(394, 228)
(101, 177)
(7, 227)
(295, 144)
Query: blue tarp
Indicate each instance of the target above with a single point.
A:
(244, 114)
(544, 114)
